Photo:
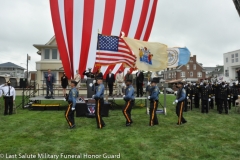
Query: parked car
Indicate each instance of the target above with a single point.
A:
(169, 91)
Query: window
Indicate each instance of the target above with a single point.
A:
(194, 67)
(232, 60)
(199, 74)
(236, 55)
(191, 74)
(236, 59)
(226, 60)
(169, 75)
(182, 74)
(54, 53)
(232, 55)
(188, 67)
(47, 54)
(226, 73)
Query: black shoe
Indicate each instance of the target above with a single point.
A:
(128, 124)
(73, 126)
(104, 125)
(52, 97)
(5, 114)
(184, 122)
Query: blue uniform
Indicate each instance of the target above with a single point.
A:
(99, 99)
(129, 98)
(69, 114)
(129, 93)
(181, 95)
(154, 96)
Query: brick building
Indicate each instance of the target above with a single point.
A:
(193, 71)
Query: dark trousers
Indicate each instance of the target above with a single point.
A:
(127, 108)
(191, 102)
(217, 101)
(204, 106)
(139, 89)
(153, 115)
(49, 88)
(69, 115)
(221, 103)
(229, 103)
(179, 112)
(211, 103)
(8, 105)
(110, 87)
(234, 99)
(186, 105)
(98, 109)
(196, 101)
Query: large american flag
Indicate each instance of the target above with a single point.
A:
(77, 23)
(113, 50)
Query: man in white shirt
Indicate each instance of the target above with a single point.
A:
(9, 97)
(119, 80)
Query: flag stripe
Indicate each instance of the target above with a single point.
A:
(59, 36)
(68, 9)
(98, 17)
(142, 19)
(108, 16)
(114, 55)
(151, 20)
(86, 33)
(77, 32)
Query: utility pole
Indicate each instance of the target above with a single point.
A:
(27, 69)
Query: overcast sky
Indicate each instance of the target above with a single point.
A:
(208, 28)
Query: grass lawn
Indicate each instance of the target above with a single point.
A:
(206, 136)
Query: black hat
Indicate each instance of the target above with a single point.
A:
(74, 82)
(99, 78)
(129, 80)
(153, 81)
(180, 83)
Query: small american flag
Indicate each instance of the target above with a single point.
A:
(113, 50)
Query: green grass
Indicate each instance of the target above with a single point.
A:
(207, 137)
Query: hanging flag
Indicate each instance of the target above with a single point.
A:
(151, 56)
(76, 24)
(178, 56)
(113, 50)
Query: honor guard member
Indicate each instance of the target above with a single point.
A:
(205, 96)
(189, 95)
(223, 98)
(9, 97)
(72, 98)
(235, 93)
(180, 98)
(99, 99)
(154, 96)
(129, 102)
(217, 94)
(195, 93)
(229, 101)
(212, 95)
(88, 73)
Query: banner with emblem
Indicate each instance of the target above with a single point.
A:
(151, 56)
(178, 56)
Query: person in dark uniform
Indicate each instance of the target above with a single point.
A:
(223, 98)
(238, 74)
(217, 94)
(128, 76)
(110, 79)
(154, 96)
(235, 93)
(72, 98)
(49, 82)
(129, 102)
(9, 94)
(188, 90)
(99, 74)
(205, 96)
(64, 83)
(195, 94)
(180, 98)
(139, 83)
(99, 99)
(211, 104)
(229, 101)
(88, 73)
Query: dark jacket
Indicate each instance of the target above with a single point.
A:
(111, 79)
(64, 81)
(140, 77)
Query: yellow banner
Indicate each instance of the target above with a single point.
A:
(151, 56)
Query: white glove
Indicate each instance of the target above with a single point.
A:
(176, 101)
(227, 98)
(123, 96)
(93, 96)
(149, 83)
(232, 97)
(192, 97)
(73, 109)
(187, 97)
(94, 81)
(201, 83)
(194, 84)
(148, 97)
(209, 99)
